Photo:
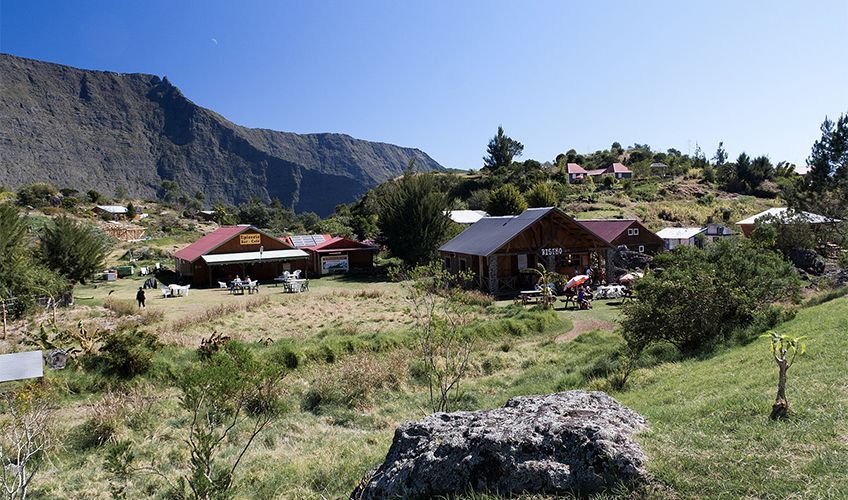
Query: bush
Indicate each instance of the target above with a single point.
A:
(74, 250)
(506, 200)
(125, 354)
(702, 296)
(37, 195)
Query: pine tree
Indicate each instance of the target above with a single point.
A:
(74, 250)
(502, 150)
(412, 217)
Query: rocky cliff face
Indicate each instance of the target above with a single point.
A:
(92, 129)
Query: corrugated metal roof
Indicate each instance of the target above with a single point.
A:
(574, 168)
(680, 233)
(618, 167)
(784, 212)
(113, 209)
(351, 245)
(466, 216)
(490, 233)
(608, 229)
(209, 242)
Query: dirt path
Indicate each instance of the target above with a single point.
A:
(583, 326)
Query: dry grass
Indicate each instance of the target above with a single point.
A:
(121, 307)
(212, 313)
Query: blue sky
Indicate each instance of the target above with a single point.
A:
(441, 76)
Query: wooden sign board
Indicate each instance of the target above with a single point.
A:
(21, 365)
(249, 239)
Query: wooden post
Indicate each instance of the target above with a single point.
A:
(3, 301)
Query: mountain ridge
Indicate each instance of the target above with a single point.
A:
(95, 129)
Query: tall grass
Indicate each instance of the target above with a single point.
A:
(216, 312)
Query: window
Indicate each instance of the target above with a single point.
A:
(463, 265)
(447, 262)
(633, 231)
(641, 248)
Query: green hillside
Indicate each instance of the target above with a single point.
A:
(710, 433)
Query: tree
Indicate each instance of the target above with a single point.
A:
(120, 192)
(702, 296)
(21, 277)
(37, 195)
(93, 196)
(506, 200)
(720, 155)
(131, 211)
(72, 249)
(828, 160)
(230, 390)
(541, 195)
(441, 318)
(412, 217)
(501, 151)
(781, 347)
(222, 216)
(255, 213)
(26, 439)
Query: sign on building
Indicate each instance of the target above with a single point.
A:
(249, 239)
(334, 264)
(21, 365)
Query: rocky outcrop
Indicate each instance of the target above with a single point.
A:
(570, 442)
(101, 130)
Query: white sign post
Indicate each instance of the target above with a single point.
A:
(21, 365)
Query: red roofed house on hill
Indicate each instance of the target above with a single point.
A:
(232, 251)
(575, 172)
(625, 232)
(617, 170)
(328, 254)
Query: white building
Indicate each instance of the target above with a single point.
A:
(677, 236)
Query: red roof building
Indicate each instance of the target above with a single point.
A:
(243, 251)
(575, 172)
(625, 232)
(617, 170)
(330, 254)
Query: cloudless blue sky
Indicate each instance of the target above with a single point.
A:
(442, 75)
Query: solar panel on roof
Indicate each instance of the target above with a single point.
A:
(307, 240)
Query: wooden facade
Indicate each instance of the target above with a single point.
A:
(551, 238)
(247, 240)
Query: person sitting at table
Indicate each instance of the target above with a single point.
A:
(582, 300)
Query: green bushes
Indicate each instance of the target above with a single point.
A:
(702, 297)
(124, 354)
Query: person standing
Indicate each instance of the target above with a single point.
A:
(139, 297)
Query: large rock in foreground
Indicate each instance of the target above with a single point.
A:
(569, 442)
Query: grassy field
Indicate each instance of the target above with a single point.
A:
(710, 436)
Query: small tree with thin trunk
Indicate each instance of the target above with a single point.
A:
(784, 349)
(440, 322)
(26, 439)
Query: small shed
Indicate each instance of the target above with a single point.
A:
(674, 237)
(330, 255)
(231, 251)
(625, 232)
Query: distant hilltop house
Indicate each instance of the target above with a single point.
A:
(786, 215)
(576, 173)
(629, 233)
(114, 211)
(330, 255)
(674, 237)
(694, 236)
(466, 217)
(659, 169)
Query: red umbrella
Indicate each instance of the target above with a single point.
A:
(577, 280)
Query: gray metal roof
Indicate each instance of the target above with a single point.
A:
(490, 233)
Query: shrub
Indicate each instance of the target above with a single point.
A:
(353, 381)
(125, 354)
(37, 195)
(702, 296)
(506, 200)
(74, 250)
(475, 298)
